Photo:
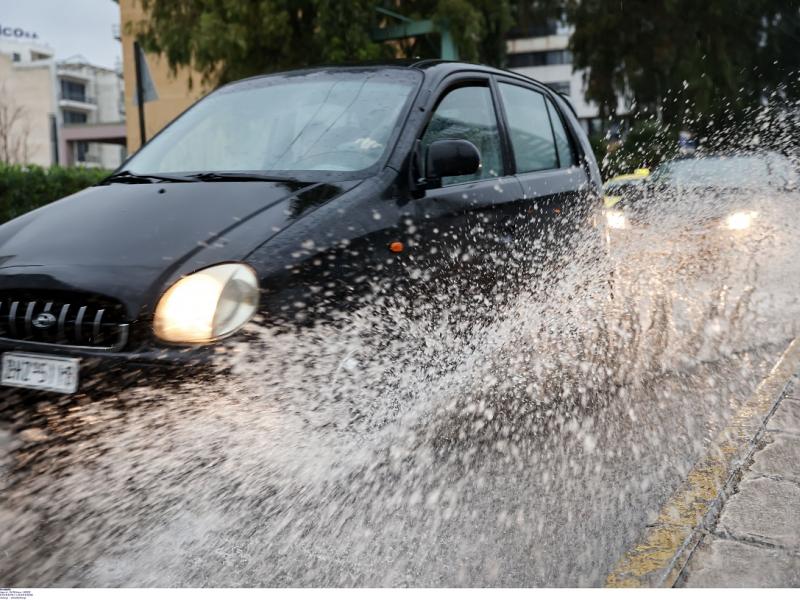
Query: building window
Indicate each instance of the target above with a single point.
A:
(16, 56)
(73, 116)
(539, 59)
(81, 151)
(72, 90)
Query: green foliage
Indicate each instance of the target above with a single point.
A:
(645, 145)
(226, 40)
(23, 188)
(479, 27)
(684, 59)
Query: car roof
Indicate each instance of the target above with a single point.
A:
(439, 66)
(432, 68)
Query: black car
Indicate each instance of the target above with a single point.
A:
(283, 196)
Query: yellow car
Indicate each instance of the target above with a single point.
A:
(616, 188)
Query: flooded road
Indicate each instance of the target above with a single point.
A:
(525, 449)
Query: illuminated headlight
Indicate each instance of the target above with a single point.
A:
(740, 220)
(207, 305)
(616, 219)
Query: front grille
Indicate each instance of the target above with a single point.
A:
(59, 318)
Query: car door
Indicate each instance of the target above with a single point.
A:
(553, 186)
(460, 243)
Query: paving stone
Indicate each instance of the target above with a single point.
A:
(764, 509)
(729, 563)
(780, 457)
(786, 417)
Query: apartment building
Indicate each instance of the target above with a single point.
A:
(64, 112)
(91, 102)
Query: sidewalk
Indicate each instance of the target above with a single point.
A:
(755, 542)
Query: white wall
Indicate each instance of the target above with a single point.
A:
(29, 85)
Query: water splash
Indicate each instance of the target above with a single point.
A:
(519, 437)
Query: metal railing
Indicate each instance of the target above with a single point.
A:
(76, 97)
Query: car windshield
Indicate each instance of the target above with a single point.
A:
(722, 172)
(321, 121)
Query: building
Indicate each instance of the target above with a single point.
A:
(58, 112)
(174, 92)
(542, 52)
(28, 104)
(91, 104)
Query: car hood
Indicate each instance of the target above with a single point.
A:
(127, 241)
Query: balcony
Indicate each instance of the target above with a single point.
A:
(73, 101)
(101, 133)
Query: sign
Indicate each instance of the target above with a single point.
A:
(149, 93)
(17, 33)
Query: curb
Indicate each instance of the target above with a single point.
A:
(663, 551)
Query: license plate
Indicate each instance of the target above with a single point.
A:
(40, 372)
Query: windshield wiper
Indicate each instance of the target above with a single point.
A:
(130, 177)
(240, 176)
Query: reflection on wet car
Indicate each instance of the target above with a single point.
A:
(623, 185)
(281, 198)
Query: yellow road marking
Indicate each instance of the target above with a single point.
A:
(660, 556)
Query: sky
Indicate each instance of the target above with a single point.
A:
(70, 27)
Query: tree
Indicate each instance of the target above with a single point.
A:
(225, 40)
(15, 132)
(778, 59)
(685, 60)
(534, 14)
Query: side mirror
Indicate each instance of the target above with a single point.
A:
(450, 158)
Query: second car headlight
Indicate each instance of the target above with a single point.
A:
(616, 219)
(207, 305)
(742, 219)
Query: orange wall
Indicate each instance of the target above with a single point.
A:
(173, 91)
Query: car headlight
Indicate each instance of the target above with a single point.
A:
(616, 219)
(207, 305)
(742, 219)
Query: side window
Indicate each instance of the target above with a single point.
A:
(467, 113)
(566, 154)
(529, 128)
